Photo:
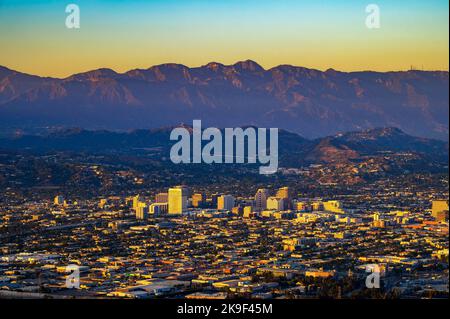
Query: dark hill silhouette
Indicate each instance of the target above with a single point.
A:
(294, 150)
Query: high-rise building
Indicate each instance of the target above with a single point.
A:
(248, 211)
(178, 199)
(142, 211)
(439, 210)
(162, 198)
(225, 202)
(198, 200)
(261, 199)
(214, 200)
(136, 201)
(283, 193)
(275, 203)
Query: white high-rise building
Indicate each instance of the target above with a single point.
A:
(178, 199)
(225, 202)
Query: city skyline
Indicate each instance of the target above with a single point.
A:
(241, 153)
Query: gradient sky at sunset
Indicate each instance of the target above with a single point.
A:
(128, 34)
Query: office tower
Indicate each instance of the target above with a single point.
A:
(142, 211)
(178, 198)
(225, 202)
(283, 193)
(439, 210)
(198, 200)
(248, 211)
(162, 198)
(136, 202)
(275, 203)
(59, 200)
(261, 199)
(214, 200)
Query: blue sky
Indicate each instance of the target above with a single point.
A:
(137, 34)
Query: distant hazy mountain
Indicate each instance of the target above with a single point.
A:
(294, 150)
(306, 101)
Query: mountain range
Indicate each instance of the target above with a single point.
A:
(306, 101)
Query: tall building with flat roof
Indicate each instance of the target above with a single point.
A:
(283, 192)
(248, 211)
(136, 201)
(225, 202)
(142, 211)
(198, 199)
(275, 203)
(261, 199)
(178, 199)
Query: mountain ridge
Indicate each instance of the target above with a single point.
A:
(310, 102)
(212, 63)
(294, 149)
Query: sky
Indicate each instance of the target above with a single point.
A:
(130, 34)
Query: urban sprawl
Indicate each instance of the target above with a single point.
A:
(184, 243)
